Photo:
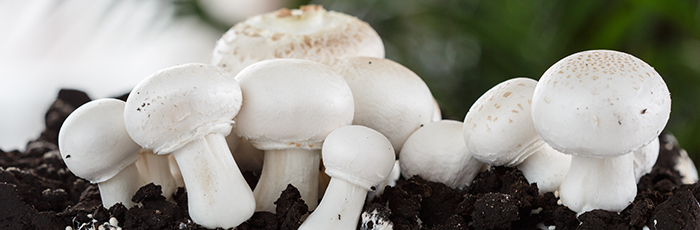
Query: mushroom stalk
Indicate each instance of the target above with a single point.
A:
(599, 183)
(298, 167)
(156, 168)
(548, 178)
(340, 207)
(211, 176)
(121, 188)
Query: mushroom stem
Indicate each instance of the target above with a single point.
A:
(298, 167)
(599, 183)
(343, 206)
(121, 188)
(550, 177)
(214, 192)
(156, 168)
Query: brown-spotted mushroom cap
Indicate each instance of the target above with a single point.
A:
(310, 33)
(600, 103)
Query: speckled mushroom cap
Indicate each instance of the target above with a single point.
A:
(94, 143)
(179, 104)
(292, 103)
(358, 155)
(498, 128)
(389, 97)
(310, 33)
(600, 103)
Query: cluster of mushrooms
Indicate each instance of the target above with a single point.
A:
(291, 91)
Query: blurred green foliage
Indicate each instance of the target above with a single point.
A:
(461, 48)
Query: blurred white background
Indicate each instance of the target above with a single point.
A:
(102, 47)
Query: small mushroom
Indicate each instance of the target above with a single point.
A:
(187, 110)
(309, 32)
(389, 97)
(498, 130)
(437, 152)
(599, 106)
(95, 146)
(358, 159)
(290, 106)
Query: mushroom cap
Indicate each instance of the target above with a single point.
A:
(179, 104)
(359, 155)
(600, 103)
(437, 152)
(498, 128)
(292, 103)
(94, 143)
(310, 33)
(389, 97)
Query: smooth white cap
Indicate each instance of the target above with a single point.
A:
(179, 104)
(292, 103)
(94, 143)
(359, 155)
(389, 97)
(498, 128)
(600, 103)
(437, 152)
(310, 33)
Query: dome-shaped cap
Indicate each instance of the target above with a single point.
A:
(437, 152)
(358, 155)
(176, 105)
(310, 33)
(94, 143)
(389, 97)
(292, 103)
(600, 103)
(498, 128)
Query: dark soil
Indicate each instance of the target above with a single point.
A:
(37, 191)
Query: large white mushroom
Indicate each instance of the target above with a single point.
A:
(498, 130)
(599, 106)
(95, 146)
(187, 110)
(389, 97)
(309, 32)
(358, 159)
(437, 152)
(291, 105)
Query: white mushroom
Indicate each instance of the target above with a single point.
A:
(358, 159)
(187, 110)
(389, 97)
(156, 168)
(437, 152)
(645, 158)
(599, 106)
(498, 130)
(291, 105)
(309, 32)
(95, 146)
